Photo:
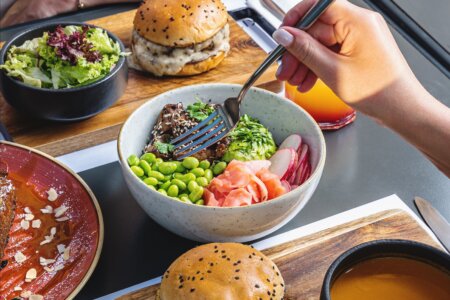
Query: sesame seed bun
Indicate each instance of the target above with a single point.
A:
(175, 23)
(222, 271)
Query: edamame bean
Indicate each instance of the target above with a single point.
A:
(186, 177)
(204, 164)
(185, 199)
(190, 163)
(133, 160)
(198, 172)
(202, 181)
(165, 185)
(180, 184)
(155, 165)
(200, 202)
(167, 168)
(151, 181)
(149, 157)
(137, 171)
(156, 174)
(183, 195)
(180, 167)
(167, 178)
(219, 168)
(163, 192)
(172, 191)
(208, 175)
(145, 166)
(151, 187)
(196, 194)
(192, 185)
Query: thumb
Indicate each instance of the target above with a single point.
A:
(318, 58)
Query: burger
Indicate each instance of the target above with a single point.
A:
(173, 37)
(225, 271)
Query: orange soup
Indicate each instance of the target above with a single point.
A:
(392, 278)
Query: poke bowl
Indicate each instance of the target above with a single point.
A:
(208, 218)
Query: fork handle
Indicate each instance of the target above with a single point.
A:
(308, 19)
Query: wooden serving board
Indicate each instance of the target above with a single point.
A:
(57, 139)
(303, 262)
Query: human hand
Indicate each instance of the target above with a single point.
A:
(350, 48)
(27, 10)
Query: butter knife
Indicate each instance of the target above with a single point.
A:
(435, 221)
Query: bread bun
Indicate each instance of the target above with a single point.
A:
(175, 23)
(222, 271)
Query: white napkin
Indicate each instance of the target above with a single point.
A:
(285, 5)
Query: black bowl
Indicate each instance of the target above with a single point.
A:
(383, 248)
(64, 105)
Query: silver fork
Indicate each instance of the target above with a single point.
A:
(225, 118)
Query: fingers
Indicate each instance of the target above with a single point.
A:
(299, 75)
(296, 13)
(307, 50)
(324, 33)
(289, 65)
(308, 83)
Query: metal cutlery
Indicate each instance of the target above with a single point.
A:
(225, 117)
(435, 221)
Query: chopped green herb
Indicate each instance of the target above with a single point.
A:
(164, 148)
(200, 110)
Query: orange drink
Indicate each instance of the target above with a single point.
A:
(325, 107)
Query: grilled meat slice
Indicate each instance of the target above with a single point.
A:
(174, 121)
(7, 208)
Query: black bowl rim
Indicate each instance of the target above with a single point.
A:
(114, 71)
(331, 272)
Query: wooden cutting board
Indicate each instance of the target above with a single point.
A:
(57, 139)
(303, 262)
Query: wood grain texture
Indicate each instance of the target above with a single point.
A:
(57, 139)
(303, 262)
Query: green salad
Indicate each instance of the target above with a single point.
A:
(67, 57)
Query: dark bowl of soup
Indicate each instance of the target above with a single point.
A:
(388, 270)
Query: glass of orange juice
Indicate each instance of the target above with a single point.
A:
(325, 107)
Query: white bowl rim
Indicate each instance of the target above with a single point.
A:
(320, 164)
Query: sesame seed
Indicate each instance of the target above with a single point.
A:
(237, 277)
(257, 286)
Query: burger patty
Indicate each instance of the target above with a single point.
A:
(173, 121)
(7, 207)
(161, 60)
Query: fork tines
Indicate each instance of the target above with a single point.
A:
(203, 135)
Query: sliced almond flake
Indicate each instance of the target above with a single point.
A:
(45, 261)
(66, 254)
(62, 219)
(31, 274)
(25, 294)
(49, 269)
(45, 242)
(60, 211)
(36, 223)
(19, 257)
(27, 210)
(25, 224)
(52, 194)
(61, 248)
(17, 288)
(36, 297)
(53, 231)
(59, 267)
(29, 217)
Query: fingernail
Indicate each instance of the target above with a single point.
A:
(279, 70)
(283, 37)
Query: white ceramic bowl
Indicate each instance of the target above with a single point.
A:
(240, 224)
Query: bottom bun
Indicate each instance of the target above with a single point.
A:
(202, 66)
(222, 271)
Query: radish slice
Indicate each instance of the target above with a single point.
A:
(293, 187)
(286, 186)
(283, 163)
(299, 174)
(306, 173)
(293, 141)
(303, 154)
